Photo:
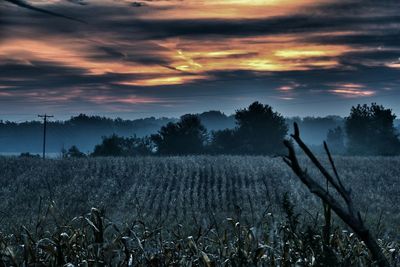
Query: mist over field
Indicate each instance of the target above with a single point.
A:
(86, 131)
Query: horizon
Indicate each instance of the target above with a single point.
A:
(168, 58)
(128, 118)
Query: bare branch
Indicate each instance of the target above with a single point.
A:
(347, 213)
(315, 161)
(334, 167)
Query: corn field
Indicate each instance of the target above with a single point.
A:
(186, 211)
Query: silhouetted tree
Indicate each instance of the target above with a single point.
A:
(335, 140)
(111, 146)
(142, 146)
(187, 136)
(29, 155)
(215, 120)
(260, 130)
(117, 146)
(74, 152)
(224, 141)
(370, 131)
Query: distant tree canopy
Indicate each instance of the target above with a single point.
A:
(255, 130)
(86, 131)
(186, 136)
(260, 130)
(74, 152)
(28, 155)
(117, 146)
(370, 131)
(224, 142)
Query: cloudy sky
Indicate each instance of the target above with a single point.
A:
(165, 58)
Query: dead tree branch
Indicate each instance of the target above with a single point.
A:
(346, 212)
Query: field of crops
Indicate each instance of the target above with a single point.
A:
(188, 211)
(173, 190)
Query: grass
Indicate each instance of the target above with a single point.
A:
(149, 208)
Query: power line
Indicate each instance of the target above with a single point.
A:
(45, 117)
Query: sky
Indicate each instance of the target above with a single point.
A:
(165, 58)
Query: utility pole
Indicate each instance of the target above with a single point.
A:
(45, 117)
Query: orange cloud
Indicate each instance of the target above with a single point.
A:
(167, 80)
(227, 9)
(2, 94)
(197, 57)
(132, 99)
(286, 88)
(264, 53)
(352, 90)
(394, 65)
(77, 54)
(286, 98)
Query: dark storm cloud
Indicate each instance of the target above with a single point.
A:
(251, 27)
(374, 57)
(356, 7)
(372, 38)
(144, 54)
(370, 23)
(317, 78)
(49, 80)
(39, 75)
(349, 15)
(308, 84)
(363, 15)
(234, 55)
(78, 2)
(49, 75)
(366, 18)
(14, 69)
(26, 5)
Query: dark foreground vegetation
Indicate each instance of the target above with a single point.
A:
(94, 240)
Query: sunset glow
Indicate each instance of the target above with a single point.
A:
(353, 90)
(156, 50)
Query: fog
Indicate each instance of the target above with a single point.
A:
(87, 131)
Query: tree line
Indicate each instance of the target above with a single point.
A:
(86, 131)
(368, 130)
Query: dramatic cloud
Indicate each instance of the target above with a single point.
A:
(164, 57)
